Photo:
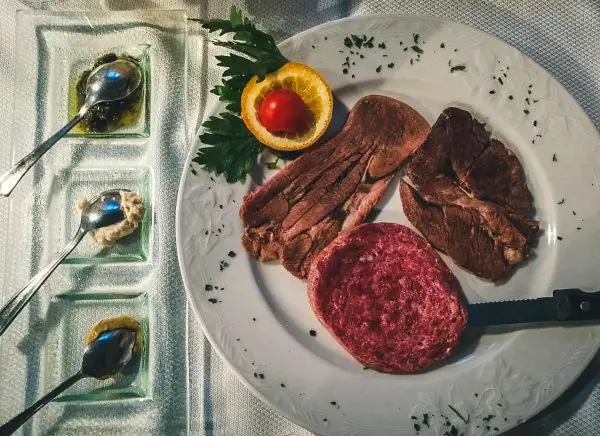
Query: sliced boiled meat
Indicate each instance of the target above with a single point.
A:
(333, 187)
(469, 197)
(388, 298)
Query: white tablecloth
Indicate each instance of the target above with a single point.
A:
(562, 36)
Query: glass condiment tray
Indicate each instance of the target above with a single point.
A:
(44, 345)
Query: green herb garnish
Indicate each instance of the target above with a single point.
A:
(458, 68)
(232, 149)
(417, 49)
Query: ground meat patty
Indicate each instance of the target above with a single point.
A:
(388, 298)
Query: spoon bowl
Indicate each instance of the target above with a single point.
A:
(103, 210)
(112, 81)
(109, 353)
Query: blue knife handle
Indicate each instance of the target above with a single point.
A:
(576, 305)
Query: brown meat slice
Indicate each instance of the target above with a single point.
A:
(460, 147)
(296, 213)
(478, 235)
(455, 141)
(497, 175)
(509, 229)
(470, 196)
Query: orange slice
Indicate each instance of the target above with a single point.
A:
(309, 85)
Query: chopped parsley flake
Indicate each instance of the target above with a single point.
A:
(426, 419)
(378, 69)
(312, 332)
(358, 41)
(417, 49)
(458, 68)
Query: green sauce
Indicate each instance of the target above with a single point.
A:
(109, 116)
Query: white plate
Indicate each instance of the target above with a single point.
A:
(260, 323)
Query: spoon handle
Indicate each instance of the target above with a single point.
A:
(10, 179)
(13, 425)
(17, 302)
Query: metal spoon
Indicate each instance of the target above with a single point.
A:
(108, 82)
(101, 211)
(106, 356)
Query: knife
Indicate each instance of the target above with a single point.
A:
(564, 305)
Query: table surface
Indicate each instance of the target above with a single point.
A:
(562, 36)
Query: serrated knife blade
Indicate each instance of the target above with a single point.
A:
(564, 305)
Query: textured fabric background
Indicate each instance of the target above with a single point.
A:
(562, 36)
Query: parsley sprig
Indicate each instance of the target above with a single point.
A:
(231, 149)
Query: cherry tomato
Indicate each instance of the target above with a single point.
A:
(283, 111)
